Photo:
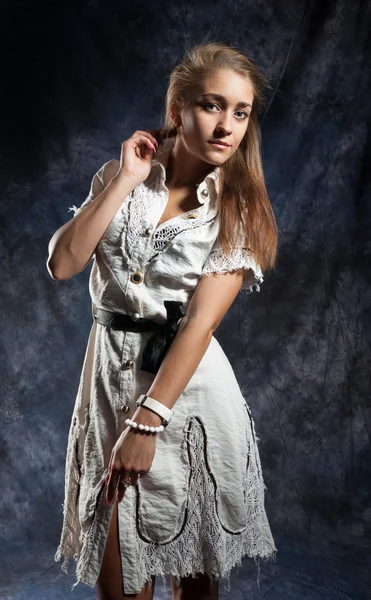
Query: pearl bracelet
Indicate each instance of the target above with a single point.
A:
(142, 427)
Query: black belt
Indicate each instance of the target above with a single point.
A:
(158, 344)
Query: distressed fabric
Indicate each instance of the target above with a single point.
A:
(200, 508)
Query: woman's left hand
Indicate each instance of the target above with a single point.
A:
(132, 455)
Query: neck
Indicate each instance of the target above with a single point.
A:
(183, 169)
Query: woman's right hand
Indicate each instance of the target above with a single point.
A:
(136, 156)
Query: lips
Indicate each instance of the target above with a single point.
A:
(219, 143)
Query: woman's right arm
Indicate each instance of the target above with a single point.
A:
(73, 244)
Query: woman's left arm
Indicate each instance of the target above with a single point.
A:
(210, 302)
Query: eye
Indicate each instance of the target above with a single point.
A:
(243, 113)
(209, 104)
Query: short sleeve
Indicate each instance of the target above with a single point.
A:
(97, 186)
(239, 258)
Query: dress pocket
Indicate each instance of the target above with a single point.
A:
(162, 494)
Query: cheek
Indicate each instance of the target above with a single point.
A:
(192, 123)
(193, 130)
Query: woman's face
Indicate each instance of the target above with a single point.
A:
(218, 111)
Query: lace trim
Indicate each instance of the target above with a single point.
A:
(138, 208)
(164, 236)
(240, 258)
(142, 201)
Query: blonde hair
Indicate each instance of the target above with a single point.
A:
(243, 197)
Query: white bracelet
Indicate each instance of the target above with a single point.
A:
(160, 409)
(142, 427)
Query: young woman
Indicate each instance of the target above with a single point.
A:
(163, 474)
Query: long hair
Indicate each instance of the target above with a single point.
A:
(245, 211)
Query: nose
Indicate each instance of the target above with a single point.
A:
(224, 125)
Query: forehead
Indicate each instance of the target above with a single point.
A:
(233, 86)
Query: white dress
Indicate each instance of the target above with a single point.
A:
(200, 508)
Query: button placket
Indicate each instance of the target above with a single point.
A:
(137, 260)
(126, 372)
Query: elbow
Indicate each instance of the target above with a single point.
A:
(54, 272)
(50, 268)
(201, 325)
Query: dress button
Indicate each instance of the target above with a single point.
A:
(135, 316)
(129, 363)
(148, 231)
(204, 193)
(125, 408)
(192, 216)
(136, 277)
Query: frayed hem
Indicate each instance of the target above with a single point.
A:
(66, 559)
(64, 567)
(223, 577)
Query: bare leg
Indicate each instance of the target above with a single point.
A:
(195, 588)
(109, 583)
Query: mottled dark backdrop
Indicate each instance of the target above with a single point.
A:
(79, 78)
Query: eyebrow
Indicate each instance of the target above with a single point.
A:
(222, 99)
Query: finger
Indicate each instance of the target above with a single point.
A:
(158, 134)
(143, 138)
(144, 151)
(112, 485)
(153, 134)
(125, 477)
(109, 469)
(121, 489)
(108, 481)
(143, 146)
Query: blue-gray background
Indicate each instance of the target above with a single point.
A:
(79, 78)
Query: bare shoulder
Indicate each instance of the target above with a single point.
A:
(109, 170)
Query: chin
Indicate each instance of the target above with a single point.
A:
(216, 160)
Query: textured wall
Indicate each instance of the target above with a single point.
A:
(79, 79)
